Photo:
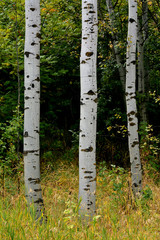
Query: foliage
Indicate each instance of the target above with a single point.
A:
(150, 145)
(10, 131)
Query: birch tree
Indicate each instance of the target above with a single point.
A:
(133, 138)
(32, 106)
(88, 111)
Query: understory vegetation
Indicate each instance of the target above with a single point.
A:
(118, 216)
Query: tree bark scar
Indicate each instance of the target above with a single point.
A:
(135, 143)
(39, 200)
(90, 149)
(132, 124)
(132, 20)
(88, 54)
(37, 56)
(38, 35)
(25, 134)
(37, 79)
(38, 190)
(34, 180)
(88, 172)
(34, 26)
(90, 92)
(27, 54)
(93, 180)
(32, 9)
(131, 113)
(88, 177)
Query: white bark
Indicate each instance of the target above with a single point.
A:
(121, 69)
(136, 171)
(88, 115)
(32, 106)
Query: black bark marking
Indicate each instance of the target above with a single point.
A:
(140, 181)
(25, 134)
(32, 85)
(34, 25)
(26, 108)
(83, 135)
(93, 180)
(38, 35)
(91, 11)
(89, 204)
(135, 185)
(33, 43)
(27, 76)
(37, 79)
(36, 131)
(90, 92)
(131, 113)
(131, 20)
(86, 189)
(87, 185)
(88, 177)
(27, 54)
(83, 62)
(39, 200)
(130, 119)
(133, 62)
(90, 149)
(37, 56)
(88, 54)
(132, 124)
(29, 88)
(95, 100)
(84, 38)
(32, 9)
(81, 103)
(34, 180)
(38, 190)
(134, 143)
(88, 172)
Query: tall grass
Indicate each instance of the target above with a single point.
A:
(118, 215)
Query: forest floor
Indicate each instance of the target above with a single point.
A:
(118, 216)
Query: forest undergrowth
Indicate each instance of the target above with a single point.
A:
(118, 216)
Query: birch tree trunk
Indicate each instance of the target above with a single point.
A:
(88, 112)
(121, 69)
(32, 106)
(133, 138)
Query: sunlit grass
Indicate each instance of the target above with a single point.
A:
(117, 217)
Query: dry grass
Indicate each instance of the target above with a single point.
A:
(118, 216)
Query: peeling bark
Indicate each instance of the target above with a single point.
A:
(32, 106)
(133, 138)
(88, 118)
